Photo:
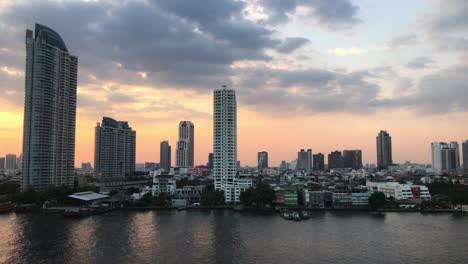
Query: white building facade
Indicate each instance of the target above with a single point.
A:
(400, 191)
(444, 157)
(225, 145)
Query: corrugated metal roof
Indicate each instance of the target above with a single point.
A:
(88, 196)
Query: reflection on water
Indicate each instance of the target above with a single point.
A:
(232, 237)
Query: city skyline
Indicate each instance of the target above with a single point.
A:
(394, 72)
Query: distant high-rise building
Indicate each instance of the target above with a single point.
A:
(284, 165)
(225, 145)
(304, 160)
(165, 155)
(19, 162)
(86, 166)
(49, 111)
(185, 145)
(210, 161)
(444, 158)
(319, 162)
(151, 166)
(384, 150)
(335, 160)
(465, 155)
(115, 147)
(10, 162)
(2, 163)
(456, 148)
(262, 160)
(352, 159)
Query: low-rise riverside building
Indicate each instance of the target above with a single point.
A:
(191, 194)
(163, 182)
(342, 200)
(416, 193)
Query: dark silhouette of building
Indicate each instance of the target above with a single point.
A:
(304, 160)
(115, 147)
(352, 159)
(384, 150)
(210, 161)
(335, 160)
(165, 155)
(262, 160)
(319, 162)
(49, 111)
(465, 155)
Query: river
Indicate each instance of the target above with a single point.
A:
(231, 237)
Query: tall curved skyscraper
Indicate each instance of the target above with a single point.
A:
(49, 110)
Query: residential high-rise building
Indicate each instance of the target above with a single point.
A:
(304, 160)
(165, 155)
(319, 162)
(10, 160)
(384, 150)
(444, 158)
(284, 165)
(2, 163)
(465, 155)
(185, 145)
(262, 160)
(115, 147)
(19, 162)
(335, 160)
(352, 159)
(456, 148)
(225, 145)
(49, 111)
(210, 161)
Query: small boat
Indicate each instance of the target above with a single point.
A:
(305, 214)
(296, 216)
(287, 216)
(7, 207)
(378, 213)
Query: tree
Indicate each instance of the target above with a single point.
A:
(259, 196)
(212, 197)
(377, 200)
(163, 200)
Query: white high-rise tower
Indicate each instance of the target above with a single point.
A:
(225, 145)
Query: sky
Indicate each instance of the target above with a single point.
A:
(321, 74)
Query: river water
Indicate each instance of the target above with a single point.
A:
(233, 237)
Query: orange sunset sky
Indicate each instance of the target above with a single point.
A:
(304, 77)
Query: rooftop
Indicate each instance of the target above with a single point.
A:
(88, 196)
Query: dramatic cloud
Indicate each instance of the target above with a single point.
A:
(448, 25)
(291, 44)
(307, 91)
(332, 14)
(420, 63)
(430, 98)
(196, 46)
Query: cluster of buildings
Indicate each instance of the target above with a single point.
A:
(446, 157)
(11, 162)
(49, 147)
